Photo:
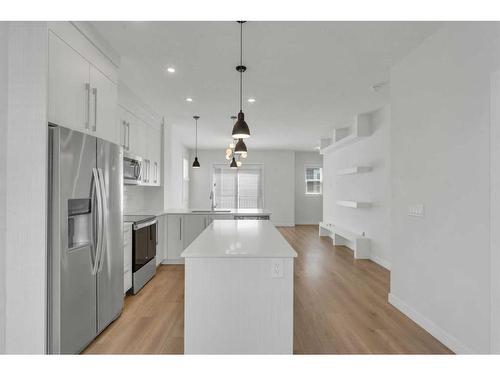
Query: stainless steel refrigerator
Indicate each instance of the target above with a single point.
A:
(85, 238)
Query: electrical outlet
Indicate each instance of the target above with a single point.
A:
(277, 268)
(416, 210)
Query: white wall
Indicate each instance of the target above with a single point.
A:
(495, 212)
(308, 208)
(172, 168)
(372, 186)
(440, 154)
(4, 27)
(279, 181)
(26, 192)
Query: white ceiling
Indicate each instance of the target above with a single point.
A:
(306, 77)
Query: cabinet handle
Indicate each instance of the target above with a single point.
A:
(156, 172)
(149, 170)
(87, 117)
(180, 228)
(128, 136)
(94, 91)
(124, 144)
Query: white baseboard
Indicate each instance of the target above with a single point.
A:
(283, 225)
(166, 261)
(444, 337)
(381, 262)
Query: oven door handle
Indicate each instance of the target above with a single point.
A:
(145, 224)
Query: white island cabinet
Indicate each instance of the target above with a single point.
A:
(239, 290)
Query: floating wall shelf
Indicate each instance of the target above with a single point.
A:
(345, 136)
(354, 204)
(353, 170)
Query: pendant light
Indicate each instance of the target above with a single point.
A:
(240, 129)
(233, 164)
(230, 149)
(196, 163)
(241, 147)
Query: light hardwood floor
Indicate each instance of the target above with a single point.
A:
(340, 307)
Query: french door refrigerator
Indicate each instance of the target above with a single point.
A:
(85, 238)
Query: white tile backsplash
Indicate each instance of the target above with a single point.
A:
(142, 198)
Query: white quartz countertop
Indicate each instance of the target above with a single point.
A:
(240, 239)
(194, 211)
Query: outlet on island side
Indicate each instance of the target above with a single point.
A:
(277, 268)
(416, 210)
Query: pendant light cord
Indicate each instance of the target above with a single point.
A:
(196, 131)
(241, 63)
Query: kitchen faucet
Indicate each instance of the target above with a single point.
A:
(212, 201)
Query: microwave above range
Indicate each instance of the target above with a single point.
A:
(132, 169)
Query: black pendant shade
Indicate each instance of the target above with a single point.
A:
(233, 163)
(240, 128)
(196, 163)
(240, 147)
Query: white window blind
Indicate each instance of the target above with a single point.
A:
(314, 180)
(238, 188)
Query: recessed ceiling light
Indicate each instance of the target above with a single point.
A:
(171, 70)
(189, 99)
(251, 100)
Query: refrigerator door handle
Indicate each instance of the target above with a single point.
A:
(104, 241)
(98, 191)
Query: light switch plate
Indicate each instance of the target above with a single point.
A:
(277, 268)
(416, 210)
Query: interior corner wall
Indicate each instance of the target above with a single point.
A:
(440, 153)
(372, 187)
(174, 152)
(308, 208)
(279, 181)
(26, 192)
(4, 27)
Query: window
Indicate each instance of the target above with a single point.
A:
(238, 188)
(314, 180)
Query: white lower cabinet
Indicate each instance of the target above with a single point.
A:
(127, 257)
(193, 226)
(175, 238)
(161, 246)
(182, 229)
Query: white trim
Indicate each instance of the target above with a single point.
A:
(440, 334)
(308, 166)
(283, 224)
(381, 262)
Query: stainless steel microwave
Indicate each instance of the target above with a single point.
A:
(132, 169)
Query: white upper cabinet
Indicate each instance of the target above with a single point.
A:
(105, 104)
(69, 87)
(81, 97)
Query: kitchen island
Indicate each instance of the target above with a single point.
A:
(239, 290)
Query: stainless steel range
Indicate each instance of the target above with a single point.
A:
(144, 242)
